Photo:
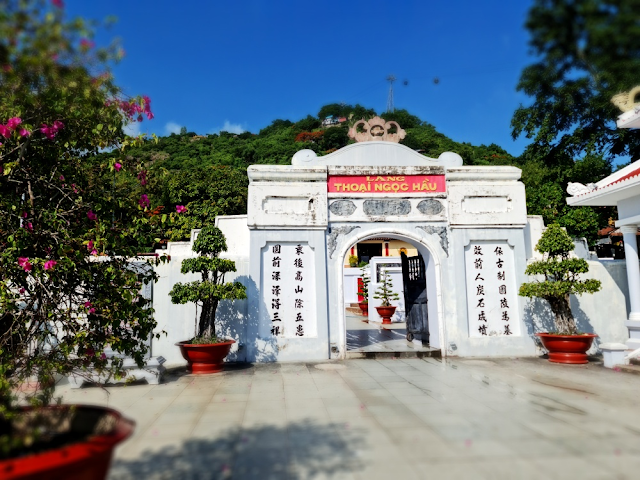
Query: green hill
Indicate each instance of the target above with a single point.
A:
(207, 173)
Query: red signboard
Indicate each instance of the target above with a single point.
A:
(386, 184)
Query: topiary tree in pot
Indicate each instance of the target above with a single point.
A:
(561, 279)
(363, 289)
(205, 352)
(385, 293)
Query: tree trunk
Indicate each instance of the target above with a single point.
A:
(565, 322)
(206, 327)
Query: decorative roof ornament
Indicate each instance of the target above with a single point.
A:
(376, 130)
(625, 101)
(574, 189)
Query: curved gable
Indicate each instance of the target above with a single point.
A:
(375, 154)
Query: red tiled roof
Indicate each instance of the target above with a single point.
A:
(633, 173)
(605, 231)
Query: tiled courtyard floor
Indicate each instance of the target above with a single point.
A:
(374, 337)
(382, 419)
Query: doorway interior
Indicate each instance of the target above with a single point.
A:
(365, 332)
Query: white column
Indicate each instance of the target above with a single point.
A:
(633, 275)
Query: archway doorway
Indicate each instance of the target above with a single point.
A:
(365, 330)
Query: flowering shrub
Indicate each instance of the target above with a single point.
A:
(312, 137)
(60, 308)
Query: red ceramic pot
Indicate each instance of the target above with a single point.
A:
(386, 313)
(365, 308)
(85, 460)
(570, 349)
(205, 358)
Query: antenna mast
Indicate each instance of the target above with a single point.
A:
(390, 107)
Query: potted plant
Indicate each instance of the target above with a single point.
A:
(363, 290)
(566, 344)
(385, 293)
(353, 261)
(205, 352)
(68, 291)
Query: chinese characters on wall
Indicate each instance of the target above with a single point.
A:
(288, 289)
(491, 289)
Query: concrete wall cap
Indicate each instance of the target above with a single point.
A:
(286, 173)
(483, 173)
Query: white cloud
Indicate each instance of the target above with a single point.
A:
(132, 129)
(236, 128)
(171, 127)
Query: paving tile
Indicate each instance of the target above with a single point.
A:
(229, 397)
(450, 470)
(571, 467)
(176, 418)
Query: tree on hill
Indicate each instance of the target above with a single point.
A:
(206, 193)
(357, 111)
(275, 126)
(404, 118)
(307, 124)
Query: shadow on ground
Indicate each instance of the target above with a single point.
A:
(300, 450)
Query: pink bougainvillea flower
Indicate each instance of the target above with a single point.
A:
(90, 245)
(25, 263)
(51, 131)
(142, 177)
(90, 352)
(75, 190)
(48, 132)
(144, 201)
(49, 264)
(117, 166)
(92, 216)
(62, 178)
(22, 290)
(4, 131)
(92, 310)
(24, 132)
(86, 44)
(13, 123)
(57, 3)
(94, 252)
(181, 208)
(87, 304)
(24, 214)
(103, 356)
(28, 226)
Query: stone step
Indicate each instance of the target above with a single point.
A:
(356, 311)
(385, 355)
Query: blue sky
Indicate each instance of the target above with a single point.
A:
(238, 65)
